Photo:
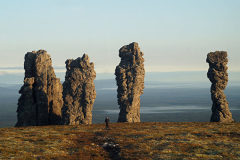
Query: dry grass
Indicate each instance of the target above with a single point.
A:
(136, 141)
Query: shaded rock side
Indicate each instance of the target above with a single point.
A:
(78, 91)
(217, 74)
(41, 100)
(130, 81)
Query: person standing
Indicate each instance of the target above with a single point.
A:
(107, 120)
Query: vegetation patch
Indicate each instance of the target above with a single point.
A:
(123, 141)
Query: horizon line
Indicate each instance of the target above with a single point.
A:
(9, 70)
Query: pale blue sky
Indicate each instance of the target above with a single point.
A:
(173, 34)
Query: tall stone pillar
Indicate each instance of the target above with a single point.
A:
(217, 74)
(78, 91)
(130, 81)
(41, 101)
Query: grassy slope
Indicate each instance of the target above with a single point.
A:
(136, 141)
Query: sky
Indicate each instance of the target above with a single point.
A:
(174, 35)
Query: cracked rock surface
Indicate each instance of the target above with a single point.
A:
(41, 101)
(130, 81)
(78, 91)
(217, 74)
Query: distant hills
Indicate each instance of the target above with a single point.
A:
(183, 76)
(161, 89)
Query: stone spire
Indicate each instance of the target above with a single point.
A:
(217, 74)
(78, 91)
(130, 81)
(41, 101)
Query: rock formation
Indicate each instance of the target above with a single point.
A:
(78, 91)
(217, 74)
(41, 101)
(130, 81)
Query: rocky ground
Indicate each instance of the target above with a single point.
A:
(123, 141)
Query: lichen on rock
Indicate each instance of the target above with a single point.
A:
(78, 91)
(217, 74)
(130, 81)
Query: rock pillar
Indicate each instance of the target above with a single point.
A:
(78, 91)
(130, 81)
(41, 101)
(217, 74)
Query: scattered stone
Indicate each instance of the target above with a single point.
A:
(78, 91)
(41, 101)
(130, 81)
(112, 148)
(217, 74)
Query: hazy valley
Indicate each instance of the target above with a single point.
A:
(168, 97)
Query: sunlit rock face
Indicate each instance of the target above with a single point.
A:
(78, 91)
(217, 74)
(41, 100)
(130, 81)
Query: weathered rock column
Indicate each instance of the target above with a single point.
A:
(217, 74)
(78, 91)
(41, 101)
(130, 81)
